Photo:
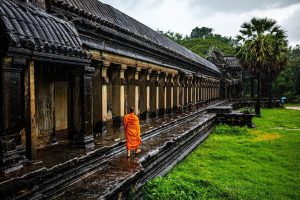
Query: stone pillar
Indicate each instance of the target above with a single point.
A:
(204, 90)
(214, 90)
(195, 93)
(176, 92)
(162, 93)
(154, 95)
(97, 100)
(218, 90)
(118, 94)
(207, 90)
(81, 119)
(11, 114)
(210, 90)
(182, 91)
(190, 90)
(144, 78)
(137, 91)
(169, 94)
(186, 91)
(199, 90)
(30, 111)
(104, 96)
(133, 89)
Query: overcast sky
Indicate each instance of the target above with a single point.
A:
(224, 16)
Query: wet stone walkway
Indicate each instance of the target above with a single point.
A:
(104, 172)
(61, 152)
(120, 169)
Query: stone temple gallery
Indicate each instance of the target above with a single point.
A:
(71, 69)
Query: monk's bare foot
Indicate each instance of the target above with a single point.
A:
(128, 153)
(138, 151)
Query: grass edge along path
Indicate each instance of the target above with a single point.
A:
(239, 163)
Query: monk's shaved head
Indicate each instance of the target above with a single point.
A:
(131, 110)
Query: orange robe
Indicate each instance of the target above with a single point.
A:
(132, 131)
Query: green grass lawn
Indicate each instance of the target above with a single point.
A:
(239, 163)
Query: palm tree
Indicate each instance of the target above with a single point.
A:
(263, 51)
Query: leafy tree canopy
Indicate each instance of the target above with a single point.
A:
(201, 32)
(203, 39)
(177, 37)
(288, 81)
(201, 46)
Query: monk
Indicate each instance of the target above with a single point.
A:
(132, 132)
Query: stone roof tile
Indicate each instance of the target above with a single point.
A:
(32, 28)
(94, 9)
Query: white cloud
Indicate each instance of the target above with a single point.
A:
(225, 17)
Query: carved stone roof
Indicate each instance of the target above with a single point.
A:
(33, 29)
(232, 61)
(106, 15)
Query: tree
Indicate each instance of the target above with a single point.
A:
(264, 50)
(177, 37)
(288, 82)
(201, 32)
(201, 46)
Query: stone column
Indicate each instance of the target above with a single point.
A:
(202, 89)
(137, 90)
(154, 93)
(81, 119)
(99, 98)
(104, 96)
(195, 88)
(182, 91)
(218, 90)
(176, 91)
(209, 89)
(169, 93)
(199, 90)
(186, 91)
(144, 78)
(133, 89)
(162, 93)
(118, 94)
(11, 114)
(214, 90)
(206, 90)
(190, 90)
(30, 111)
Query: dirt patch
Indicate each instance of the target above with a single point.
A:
(288, 129)
(256, 132)
(266, 137)
(293, 107)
